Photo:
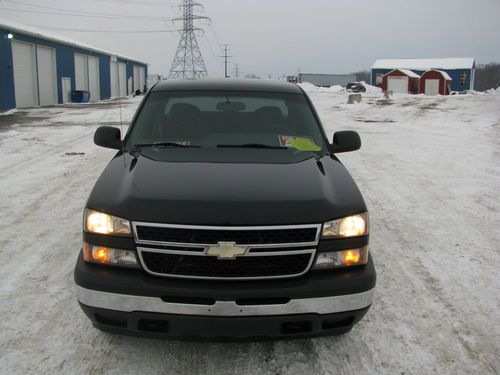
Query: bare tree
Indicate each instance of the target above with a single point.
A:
(487, 77)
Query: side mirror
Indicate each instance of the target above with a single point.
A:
(109, 137)
(345, 141)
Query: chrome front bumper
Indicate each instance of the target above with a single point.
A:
(131, 303)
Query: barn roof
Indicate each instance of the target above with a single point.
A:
(406, 72)
(445, 75)
(425, 64)
(13, 26)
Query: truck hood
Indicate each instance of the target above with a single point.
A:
(306, 191)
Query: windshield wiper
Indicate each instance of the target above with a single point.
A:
(165, 144)
(253, 145)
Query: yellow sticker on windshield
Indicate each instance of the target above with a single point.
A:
(298, 143)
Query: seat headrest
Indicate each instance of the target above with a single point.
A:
(269, 115)
(183, 111)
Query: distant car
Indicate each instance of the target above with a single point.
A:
(355, 87)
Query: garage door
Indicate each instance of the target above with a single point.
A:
(94, 79)
(432, 87)
(81, 72)
(47, 77)
(142, 76)
(25, 80)
(122, 70)
(397, 84)
(115, 88)
(137, 78)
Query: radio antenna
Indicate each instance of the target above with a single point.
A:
(120, 104)
(121, 117)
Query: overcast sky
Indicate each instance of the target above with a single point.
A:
(279, 36)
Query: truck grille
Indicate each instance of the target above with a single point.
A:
(212, 237)
(211, 267)
(266, 252)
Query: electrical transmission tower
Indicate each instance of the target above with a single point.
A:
(188, 62)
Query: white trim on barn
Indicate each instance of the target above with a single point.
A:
(445, 75)
(407, 72)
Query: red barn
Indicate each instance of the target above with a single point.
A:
(401, 81)
(435, 82)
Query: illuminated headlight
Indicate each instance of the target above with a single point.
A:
(350, 226)
(342, 258)
(106, 255)
(101, 223)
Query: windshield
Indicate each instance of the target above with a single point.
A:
(227, 120)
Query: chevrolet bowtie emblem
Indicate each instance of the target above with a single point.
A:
(226, 250)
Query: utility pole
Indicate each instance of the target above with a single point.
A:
(226, 58)
(188, 62)
(236, 70)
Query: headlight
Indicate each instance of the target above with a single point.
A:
(101, 223)
(106, 255)
(350, 226)
(342, 258)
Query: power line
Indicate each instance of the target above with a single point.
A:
(105, 31)
(214, 58)
(132, 2)
(71, 13)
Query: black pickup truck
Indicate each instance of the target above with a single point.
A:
(225, 215)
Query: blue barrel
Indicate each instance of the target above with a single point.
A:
(80, 96)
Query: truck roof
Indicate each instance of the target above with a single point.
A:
(227, 84)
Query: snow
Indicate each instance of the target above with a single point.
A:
(429, 171)
(9, 112)
(407, 72)
(445, 75)
(13, 26)
(424, 64)
(371, 89)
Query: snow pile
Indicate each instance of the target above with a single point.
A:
(9, 112)
(493, 91)
(310, 88)
(371, 89)
(335, 88)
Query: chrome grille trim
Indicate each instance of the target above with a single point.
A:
(222, 228)
(283, 249)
